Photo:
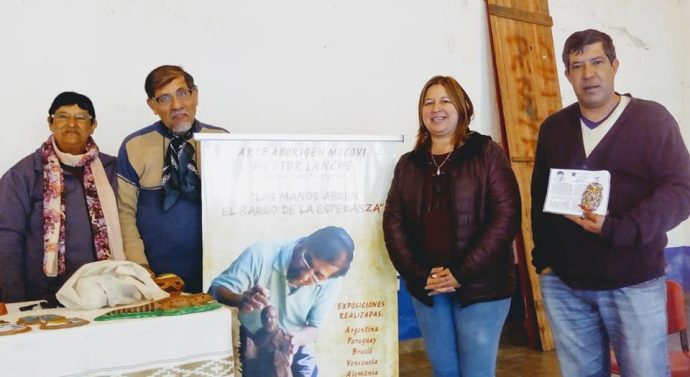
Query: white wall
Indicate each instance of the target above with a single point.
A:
(651, 45)
(301, 66)
(305, 66)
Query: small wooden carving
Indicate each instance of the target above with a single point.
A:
(170, 283)
(168, 303)
(591, 197)
(11, 329)
(38, 319)
(63, 323)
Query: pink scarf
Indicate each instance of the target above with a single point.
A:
(100, 201)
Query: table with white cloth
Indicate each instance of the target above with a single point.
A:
(195, 344)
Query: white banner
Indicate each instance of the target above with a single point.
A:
(263, 196)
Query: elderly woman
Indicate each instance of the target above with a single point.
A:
(451, 214)
(58, 206)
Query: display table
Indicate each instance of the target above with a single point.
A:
(198, 344)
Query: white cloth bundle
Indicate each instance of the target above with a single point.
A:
(108, 283)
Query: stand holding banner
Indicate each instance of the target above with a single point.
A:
(262, 189)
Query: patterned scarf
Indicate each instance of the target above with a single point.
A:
(180, 176)
(100, 200)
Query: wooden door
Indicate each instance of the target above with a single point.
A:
(528, 92)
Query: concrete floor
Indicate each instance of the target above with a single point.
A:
(515, 358)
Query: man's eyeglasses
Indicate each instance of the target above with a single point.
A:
(81, 119)
(307, 264)
(181, 94)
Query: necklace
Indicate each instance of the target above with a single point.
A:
(438, 167)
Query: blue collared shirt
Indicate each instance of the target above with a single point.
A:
(266, 264)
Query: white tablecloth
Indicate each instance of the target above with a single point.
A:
(198, 344)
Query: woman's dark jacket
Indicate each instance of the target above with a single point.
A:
(486, 213)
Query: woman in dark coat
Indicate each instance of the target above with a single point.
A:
(452, 212)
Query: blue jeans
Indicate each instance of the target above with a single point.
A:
(632, 319)
(461, 341)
